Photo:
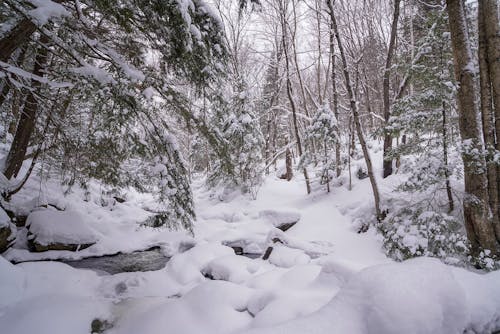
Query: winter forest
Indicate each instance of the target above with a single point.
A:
(249, 166)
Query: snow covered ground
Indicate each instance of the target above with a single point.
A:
(323, 278)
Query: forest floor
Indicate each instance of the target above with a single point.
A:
(321, 277)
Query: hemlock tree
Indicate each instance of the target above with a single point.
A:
(85, 83)
(324, 131)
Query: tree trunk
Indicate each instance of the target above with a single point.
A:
(445, 160)
(489, 9)
(288, 164)
(387, 112)
(290, 96)
(334, 90)
(357, 122)
(487, 118)
(27, 119)
(477, 216)
(17, 37)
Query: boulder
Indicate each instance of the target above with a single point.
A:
(5, 231)
(58, 230)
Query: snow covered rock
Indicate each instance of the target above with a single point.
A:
(230, 268)
(283, 256)
(5, 231)
(58, 230)
(282, 220)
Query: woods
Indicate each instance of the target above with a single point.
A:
(249, 166)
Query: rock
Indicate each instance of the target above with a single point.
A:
(58, 230)
(37, 247)
(286, 226)
(361, 173)
(244, 247)
(98, 326)
(5, 233)
(119, 199)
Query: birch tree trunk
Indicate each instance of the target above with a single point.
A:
(477, 215)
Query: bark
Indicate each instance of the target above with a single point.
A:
(487, 117)
(451, 205)
(357, 122)
(16, 38)
(386, 85)
(477, 217)
(489, 8)
(288, 164)
(27, 119)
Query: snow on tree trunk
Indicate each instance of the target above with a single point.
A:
(386, 86)
(487, 117)
(477, 215)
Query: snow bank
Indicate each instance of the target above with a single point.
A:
(214, 307)
(232, 268)
(63, 227)
(417, 296)
(48, 298)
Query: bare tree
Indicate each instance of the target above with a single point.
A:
(356, 118)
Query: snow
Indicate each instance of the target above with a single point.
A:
(64, 227)
(322, 277)
(46, 10)
(283, 256)
(98, 74)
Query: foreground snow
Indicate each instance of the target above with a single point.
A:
(323, 278)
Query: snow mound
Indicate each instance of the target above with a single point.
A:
(59, 227)
(232, 268)
(213, 307)
(286, 257)
(186, 267)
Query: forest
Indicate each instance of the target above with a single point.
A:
(249, 166)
